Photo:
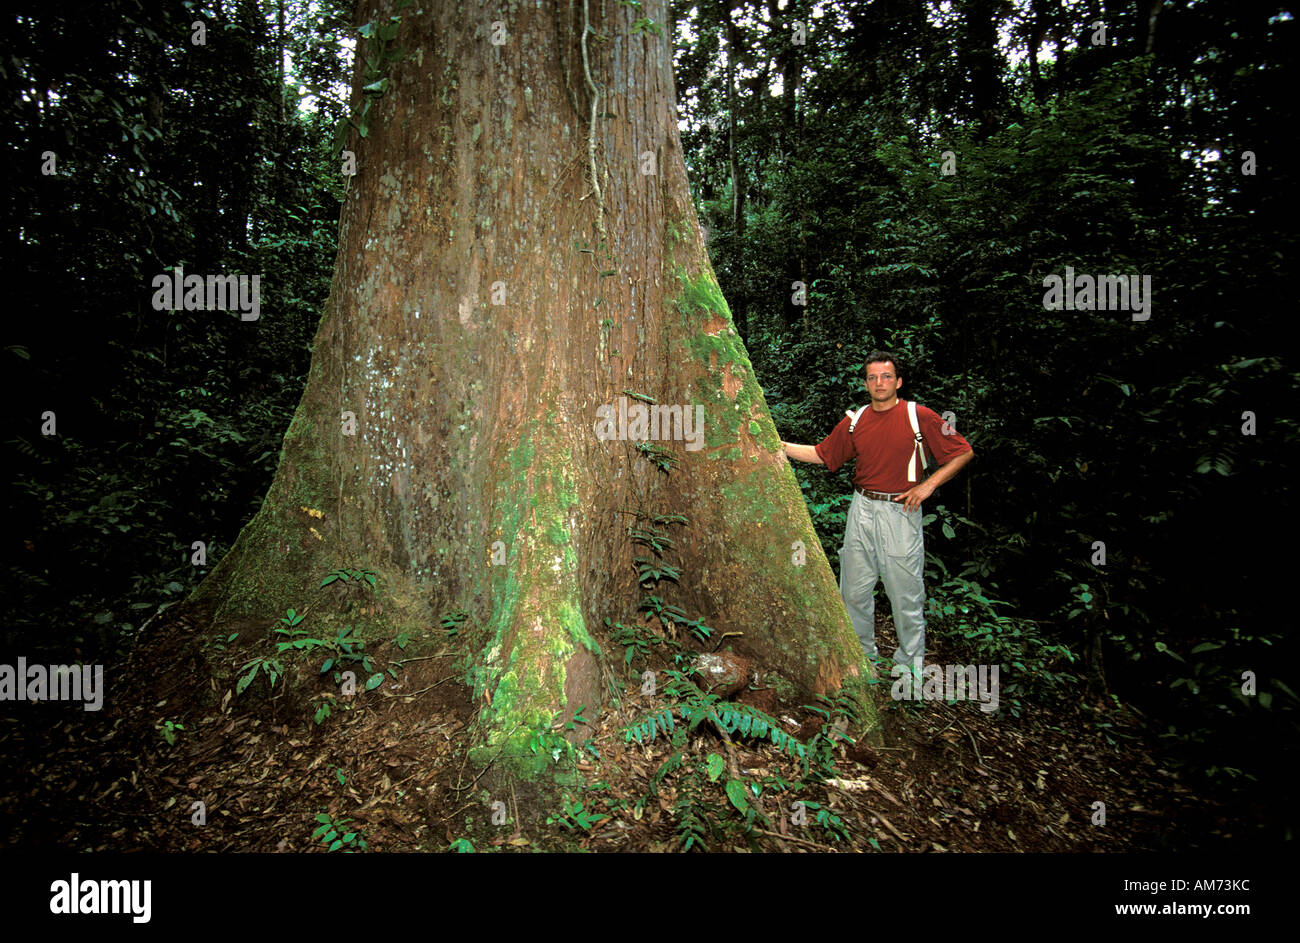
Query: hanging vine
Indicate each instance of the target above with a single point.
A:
(591, 122)
(595, 90)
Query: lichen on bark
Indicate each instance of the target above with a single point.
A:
(536, 630)
(728, 384)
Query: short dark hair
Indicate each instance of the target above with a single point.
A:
(882, 356)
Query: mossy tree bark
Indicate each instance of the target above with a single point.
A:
(489, 295)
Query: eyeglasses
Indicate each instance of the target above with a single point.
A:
(872, 378)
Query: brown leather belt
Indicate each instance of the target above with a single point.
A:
(876, 495)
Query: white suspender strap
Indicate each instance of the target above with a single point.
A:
(919, 451)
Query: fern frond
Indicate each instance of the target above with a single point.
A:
(747, 721)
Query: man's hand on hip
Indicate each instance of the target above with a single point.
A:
(914, 495)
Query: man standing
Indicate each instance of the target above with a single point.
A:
(882, 537)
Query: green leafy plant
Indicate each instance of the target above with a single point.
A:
(334, 834)
(547, 742)
(948, 521)
(577, 718)
(654, 538)
(651, 571)
(637, 641)
(661, 457)
(644, 23)
(222, 643)
(573, 816)
(833, 825)
(377, 52)
(840, 713)
(345, 648)
(672, 616)
(349, 650)
(270, 667)
(829, 516)
(452, 623)
(290, 619)
(168, 730)
(364, 578)
(1083, 597)
(328, 703)
(961, 605)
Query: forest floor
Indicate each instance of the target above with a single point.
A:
(948, 776)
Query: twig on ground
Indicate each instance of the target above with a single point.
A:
(421, 691)
(793, 838)
(885, 822)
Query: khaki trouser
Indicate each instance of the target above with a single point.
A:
(882, 541)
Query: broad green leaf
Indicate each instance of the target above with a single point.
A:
(736, 793)
(715, 765)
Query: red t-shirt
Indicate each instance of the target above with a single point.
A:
(882, 442)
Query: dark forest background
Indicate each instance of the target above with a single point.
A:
(918, 167)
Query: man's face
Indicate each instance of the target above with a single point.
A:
(882, 382)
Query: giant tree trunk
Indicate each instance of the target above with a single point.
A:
(477, 320)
